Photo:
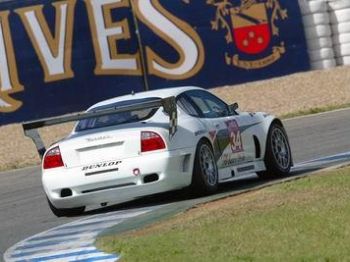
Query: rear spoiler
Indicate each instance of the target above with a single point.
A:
(169, 105)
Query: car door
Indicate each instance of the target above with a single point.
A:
(194, 104)
(223, 126)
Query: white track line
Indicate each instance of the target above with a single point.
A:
(73, 241)
(336, 158)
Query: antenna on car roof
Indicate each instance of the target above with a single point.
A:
(132, 92)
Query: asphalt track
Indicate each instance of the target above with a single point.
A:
(24, 212)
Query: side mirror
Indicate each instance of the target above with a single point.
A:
(234, 108)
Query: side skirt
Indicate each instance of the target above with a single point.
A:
(233, 172)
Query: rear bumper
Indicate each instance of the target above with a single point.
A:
(172, 170)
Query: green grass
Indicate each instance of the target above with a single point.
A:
(304, 220)
(315, 110)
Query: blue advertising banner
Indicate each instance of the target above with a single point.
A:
(59, 57)
(230, 42)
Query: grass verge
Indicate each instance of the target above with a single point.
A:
(304, 220)
(315, 110)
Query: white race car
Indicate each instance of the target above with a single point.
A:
(151, 142)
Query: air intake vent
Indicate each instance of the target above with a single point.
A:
(257, 147)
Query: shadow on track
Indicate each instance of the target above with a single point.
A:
(183, 195)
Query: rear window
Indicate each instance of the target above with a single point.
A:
(118, 118)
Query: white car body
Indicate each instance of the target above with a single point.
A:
(106, 164)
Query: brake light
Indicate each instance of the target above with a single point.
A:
(53, 158)
(151, 141)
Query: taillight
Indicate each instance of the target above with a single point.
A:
(53, 158)
(151, 141)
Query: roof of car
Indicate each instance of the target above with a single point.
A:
(161, 93)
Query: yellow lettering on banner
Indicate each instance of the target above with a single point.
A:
(54, 50)
(8, 68)
(105, 36)
(178, 34)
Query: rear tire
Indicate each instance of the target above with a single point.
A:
(205, 172)
(278, 157)
(66, 212)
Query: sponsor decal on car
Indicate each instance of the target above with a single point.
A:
(101, 165)
(235, 136)
(212, 134)
(228, 160)
(93, 139)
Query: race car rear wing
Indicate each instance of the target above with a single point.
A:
(31, 128)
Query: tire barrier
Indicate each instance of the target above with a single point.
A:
(341, 28)
(344, 60)
(323, 64)
(339, 11)
(321, 54)
(338, 4)
(316, 21)
(317, 31)
(327, 26)
(312, 7)
(318, 43)
(342, 50)
(343, 38)
(340, 16)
